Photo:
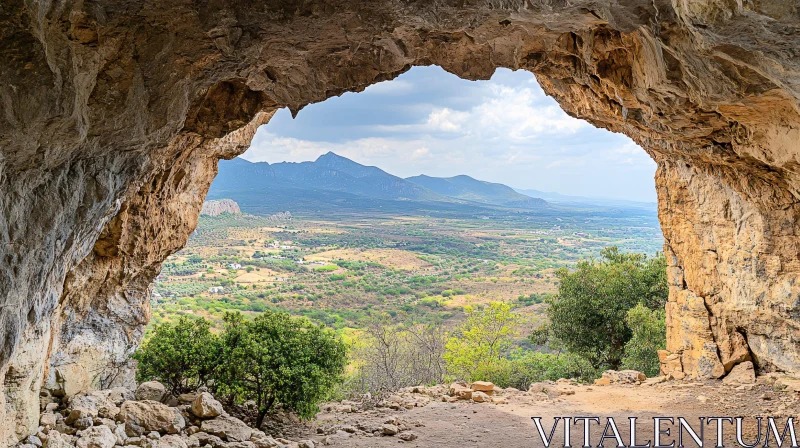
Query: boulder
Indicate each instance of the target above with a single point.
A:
(151, 390)
(388, 429)
(119, 395)
(48, 419)
(460, 391)
(480, 397)
(205, 406)
(246, 444)
(407, 436)
(788, 383)
(170, 441)
(71, 379)
(119, 433)
(265, 442)
(655, 380)
(543, 388)
(109, 412)
(187, 398)
(90, 402)
(33, 440)
(742, 373)
(57, 440)
(228, 428)
(204, 438)
(141, 417)
(602, 382)
(483, 386)
(96, 437)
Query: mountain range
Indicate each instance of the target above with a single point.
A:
(333, 180)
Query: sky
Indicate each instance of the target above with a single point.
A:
(428, 121)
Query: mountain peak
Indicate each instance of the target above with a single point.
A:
(330, 155)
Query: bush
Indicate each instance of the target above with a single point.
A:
(480, 345)
(272, 359)
(326, 268)
(276, 358)
(183, 355)
(588, 314)
(532, 367)
(524, 367)
(649, 336)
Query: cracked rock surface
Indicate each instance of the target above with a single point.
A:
(114, 113)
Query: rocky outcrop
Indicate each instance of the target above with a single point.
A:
(113, 115)
(217, 207)
(108, 418)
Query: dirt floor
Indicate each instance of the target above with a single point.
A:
(469, 424)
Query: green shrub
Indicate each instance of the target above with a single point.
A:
(480, 344)
(182, 355)
(272, 359)
(532, 367)
(326, 268)
(588, 314)
(649, 336)
(276, 358)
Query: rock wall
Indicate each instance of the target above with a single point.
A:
(113, 114)
(216, 207)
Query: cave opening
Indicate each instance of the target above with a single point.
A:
(114, 119)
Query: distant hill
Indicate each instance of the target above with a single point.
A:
(333, 182)
(214, 208)
(469, 189)
(329, 172)
(558, 198)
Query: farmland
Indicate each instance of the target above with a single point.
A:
(344, 270)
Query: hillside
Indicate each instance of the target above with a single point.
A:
(336, 183)
(329, 172)
(470, 189)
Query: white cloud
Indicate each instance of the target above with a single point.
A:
(421, 153)
(447, 120)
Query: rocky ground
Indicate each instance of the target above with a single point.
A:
(458, 415)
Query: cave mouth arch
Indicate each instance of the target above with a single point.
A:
(113, 119)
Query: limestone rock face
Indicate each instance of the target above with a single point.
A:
(214, 208)
(114, 113)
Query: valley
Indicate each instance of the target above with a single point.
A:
(345, 259)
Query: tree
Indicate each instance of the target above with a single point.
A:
(482, 342)
(588, 313)
(276, 358)
(649, 336)
(183, 355)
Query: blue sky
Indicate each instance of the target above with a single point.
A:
(428, 121)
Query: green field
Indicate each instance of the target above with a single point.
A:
(343, 270)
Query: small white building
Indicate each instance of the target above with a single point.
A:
(216, 290)
(236, 266)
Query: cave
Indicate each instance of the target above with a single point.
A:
(114, 114)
